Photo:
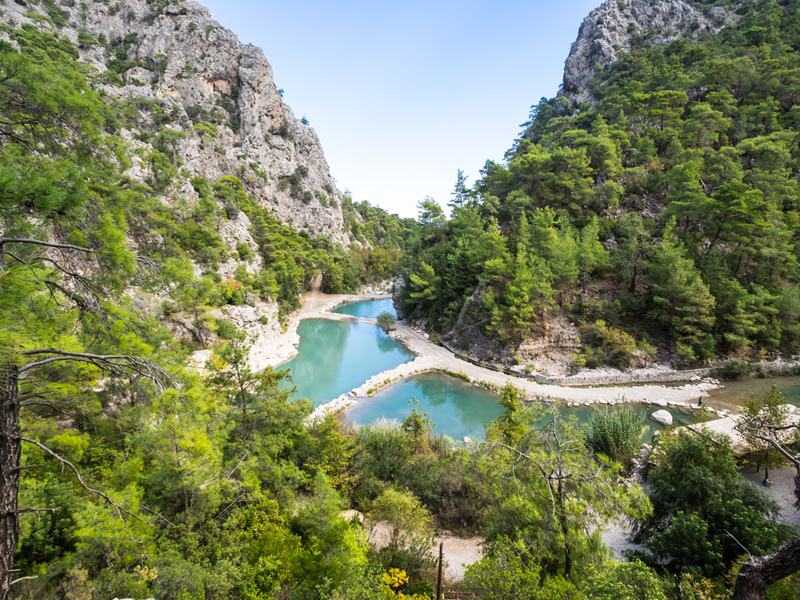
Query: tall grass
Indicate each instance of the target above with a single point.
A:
(616, 432)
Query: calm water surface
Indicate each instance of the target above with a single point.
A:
(459, 409)
(736, 392)
(335, 357)
(456, 407)
(369, 309)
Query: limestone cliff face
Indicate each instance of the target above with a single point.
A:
(189, 71)
(617, 25)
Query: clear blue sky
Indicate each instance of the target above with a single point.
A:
(404, 93)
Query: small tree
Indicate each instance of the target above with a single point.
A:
(759, 416)
(409, 547)
(386, 322)
(419, 425)
(510, 425)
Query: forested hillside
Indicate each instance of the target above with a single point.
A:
(117, 262)
(660, 217)
(664, 214)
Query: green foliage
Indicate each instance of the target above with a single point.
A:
(607, 345)
(766, 418)
(418, 424)
(410, 542)
(700, 131)
(616, 432)
(698, 496)
(511, 425)
(555, 496)
(510, 571)
(386, 322)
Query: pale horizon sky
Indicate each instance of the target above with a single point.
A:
(404, 94)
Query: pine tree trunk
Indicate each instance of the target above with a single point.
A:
(759, 573)
(10, 455)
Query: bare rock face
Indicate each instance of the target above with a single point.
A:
(469, 337)
(617, 25)
(551, 354)
(183, 71)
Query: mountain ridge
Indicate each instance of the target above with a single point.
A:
(198, 73)
(619, 25)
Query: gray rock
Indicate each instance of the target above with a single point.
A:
(662, 416)
(615, 25)
(199, 65)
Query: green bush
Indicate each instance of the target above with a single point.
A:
(733, 369)
(616, 432)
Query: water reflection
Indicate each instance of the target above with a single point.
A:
(369, 309)
(459, 409)
(384, 342)
(335, 357)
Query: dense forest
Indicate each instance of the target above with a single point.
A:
(665, 213)
(663, 216)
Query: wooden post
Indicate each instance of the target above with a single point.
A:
(439, 580)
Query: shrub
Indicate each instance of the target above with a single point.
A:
(607, 345)
(616, 432)
(734, 369)
(244, 251)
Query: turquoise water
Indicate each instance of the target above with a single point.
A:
(369, 309)
(456, 407)
(459, 409)
(679, 417)
(335, 357)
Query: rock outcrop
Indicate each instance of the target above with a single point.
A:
(619, 25)
(184, 72)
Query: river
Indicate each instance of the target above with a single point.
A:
(335, 357)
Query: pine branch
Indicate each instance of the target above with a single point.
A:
(4, 241)
(117, 364)
(119, 509)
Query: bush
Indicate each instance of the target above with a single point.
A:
(616, 432)
(734, 369)
(608, 345)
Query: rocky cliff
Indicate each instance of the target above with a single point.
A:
(186, 73)
(620, 25)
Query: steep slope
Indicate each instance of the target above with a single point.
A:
(187, 74)
(620, 25)
(661, 219)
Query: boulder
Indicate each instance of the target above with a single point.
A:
(662, 416)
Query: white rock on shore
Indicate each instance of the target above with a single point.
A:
(662, 416)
